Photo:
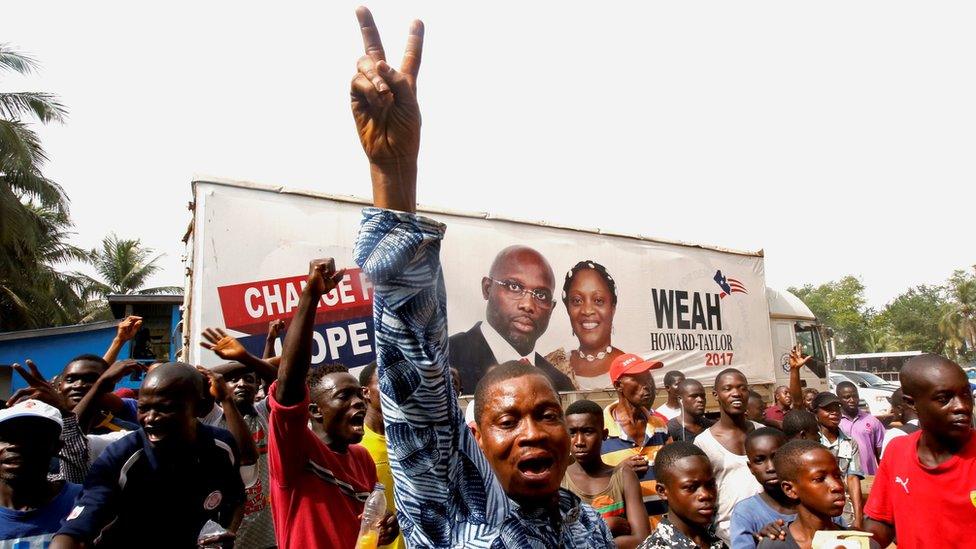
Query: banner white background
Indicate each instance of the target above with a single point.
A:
(245, 233)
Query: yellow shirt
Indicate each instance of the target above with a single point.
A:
(375, 444)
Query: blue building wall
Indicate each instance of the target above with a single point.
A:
(52, 353)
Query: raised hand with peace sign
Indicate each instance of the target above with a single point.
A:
(384, 105)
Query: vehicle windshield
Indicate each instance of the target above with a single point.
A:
(808, 336)
(872, 379)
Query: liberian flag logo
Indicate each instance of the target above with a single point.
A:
(729, 285)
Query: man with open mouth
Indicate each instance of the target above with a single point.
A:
(498, 487)
(725, 445)
(173, 467)
(320, 477)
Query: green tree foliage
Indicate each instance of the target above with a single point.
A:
(910, 322)
(937, 319)
(36, 290)
(840, 304)
(34, 219)
(123, 266)
(958, 322)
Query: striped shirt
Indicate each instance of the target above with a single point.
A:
(446, 493)
(619, 448)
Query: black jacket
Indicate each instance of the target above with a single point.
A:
(471, 355)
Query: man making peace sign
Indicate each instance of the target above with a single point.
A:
(498, 487)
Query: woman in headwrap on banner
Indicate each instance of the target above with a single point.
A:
(590, 297)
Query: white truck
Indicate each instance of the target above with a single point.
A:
(696, 308)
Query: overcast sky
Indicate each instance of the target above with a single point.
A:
(836, 136)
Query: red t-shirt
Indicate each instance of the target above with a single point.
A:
(775, 413)
(308, 510)
(929, 506)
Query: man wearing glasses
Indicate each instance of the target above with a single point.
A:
(519, 291)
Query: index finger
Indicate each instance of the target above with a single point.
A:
(371, 35)
(414, 51)
(34, 371)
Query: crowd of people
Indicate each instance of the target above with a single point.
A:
(267, 451)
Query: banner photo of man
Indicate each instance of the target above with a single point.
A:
(564, 300)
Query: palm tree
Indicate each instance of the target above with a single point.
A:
(958, 324)
(34, 219)
(21, 154)
(33, 291)
(124, 266)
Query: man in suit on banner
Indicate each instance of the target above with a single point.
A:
(519, 291)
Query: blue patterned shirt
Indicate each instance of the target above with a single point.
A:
(446, 493)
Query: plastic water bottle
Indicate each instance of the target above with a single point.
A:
(373, 513)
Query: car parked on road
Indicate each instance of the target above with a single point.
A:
(874, 391)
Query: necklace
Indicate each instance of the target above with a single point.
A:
(599, 356)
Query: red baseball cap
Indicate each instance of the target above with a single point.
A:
(630, 363)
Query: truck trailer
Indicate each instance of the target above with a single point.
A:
(696, 308)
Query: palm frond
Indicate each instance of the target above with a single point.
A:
(20, 148)
(43, 106)
(13, 60)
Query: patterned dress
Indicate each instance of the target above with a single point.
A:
(666, 536)
(447, 494)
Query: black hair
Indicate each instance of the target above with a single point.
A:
(88, 357)
(502, 372)
(317, 374)
(187, 379)
(729, 371)
(787, 458)
(753, 394)
(689, 381)
(797, 421)
(765, 432)
(914, 371)
(671, 376)
(670, 454)
(898, 397)
(600, 270)
(845, 385)
(366, 374)
(585, 407)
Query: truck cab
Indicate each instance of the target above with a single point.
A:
(791, 322)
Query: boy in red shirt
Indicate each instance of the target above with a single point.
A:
(933, 470)
(319, 480)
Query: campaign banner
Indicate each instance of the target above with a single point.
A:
(567, 300)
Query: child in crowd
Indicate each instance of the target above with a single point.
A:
(691, 421)
(846, 451)
(724, 444)
(752, 514)
(808, 474)
(801, 424)
(685, 481)
(614, 492)
(31, 506)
